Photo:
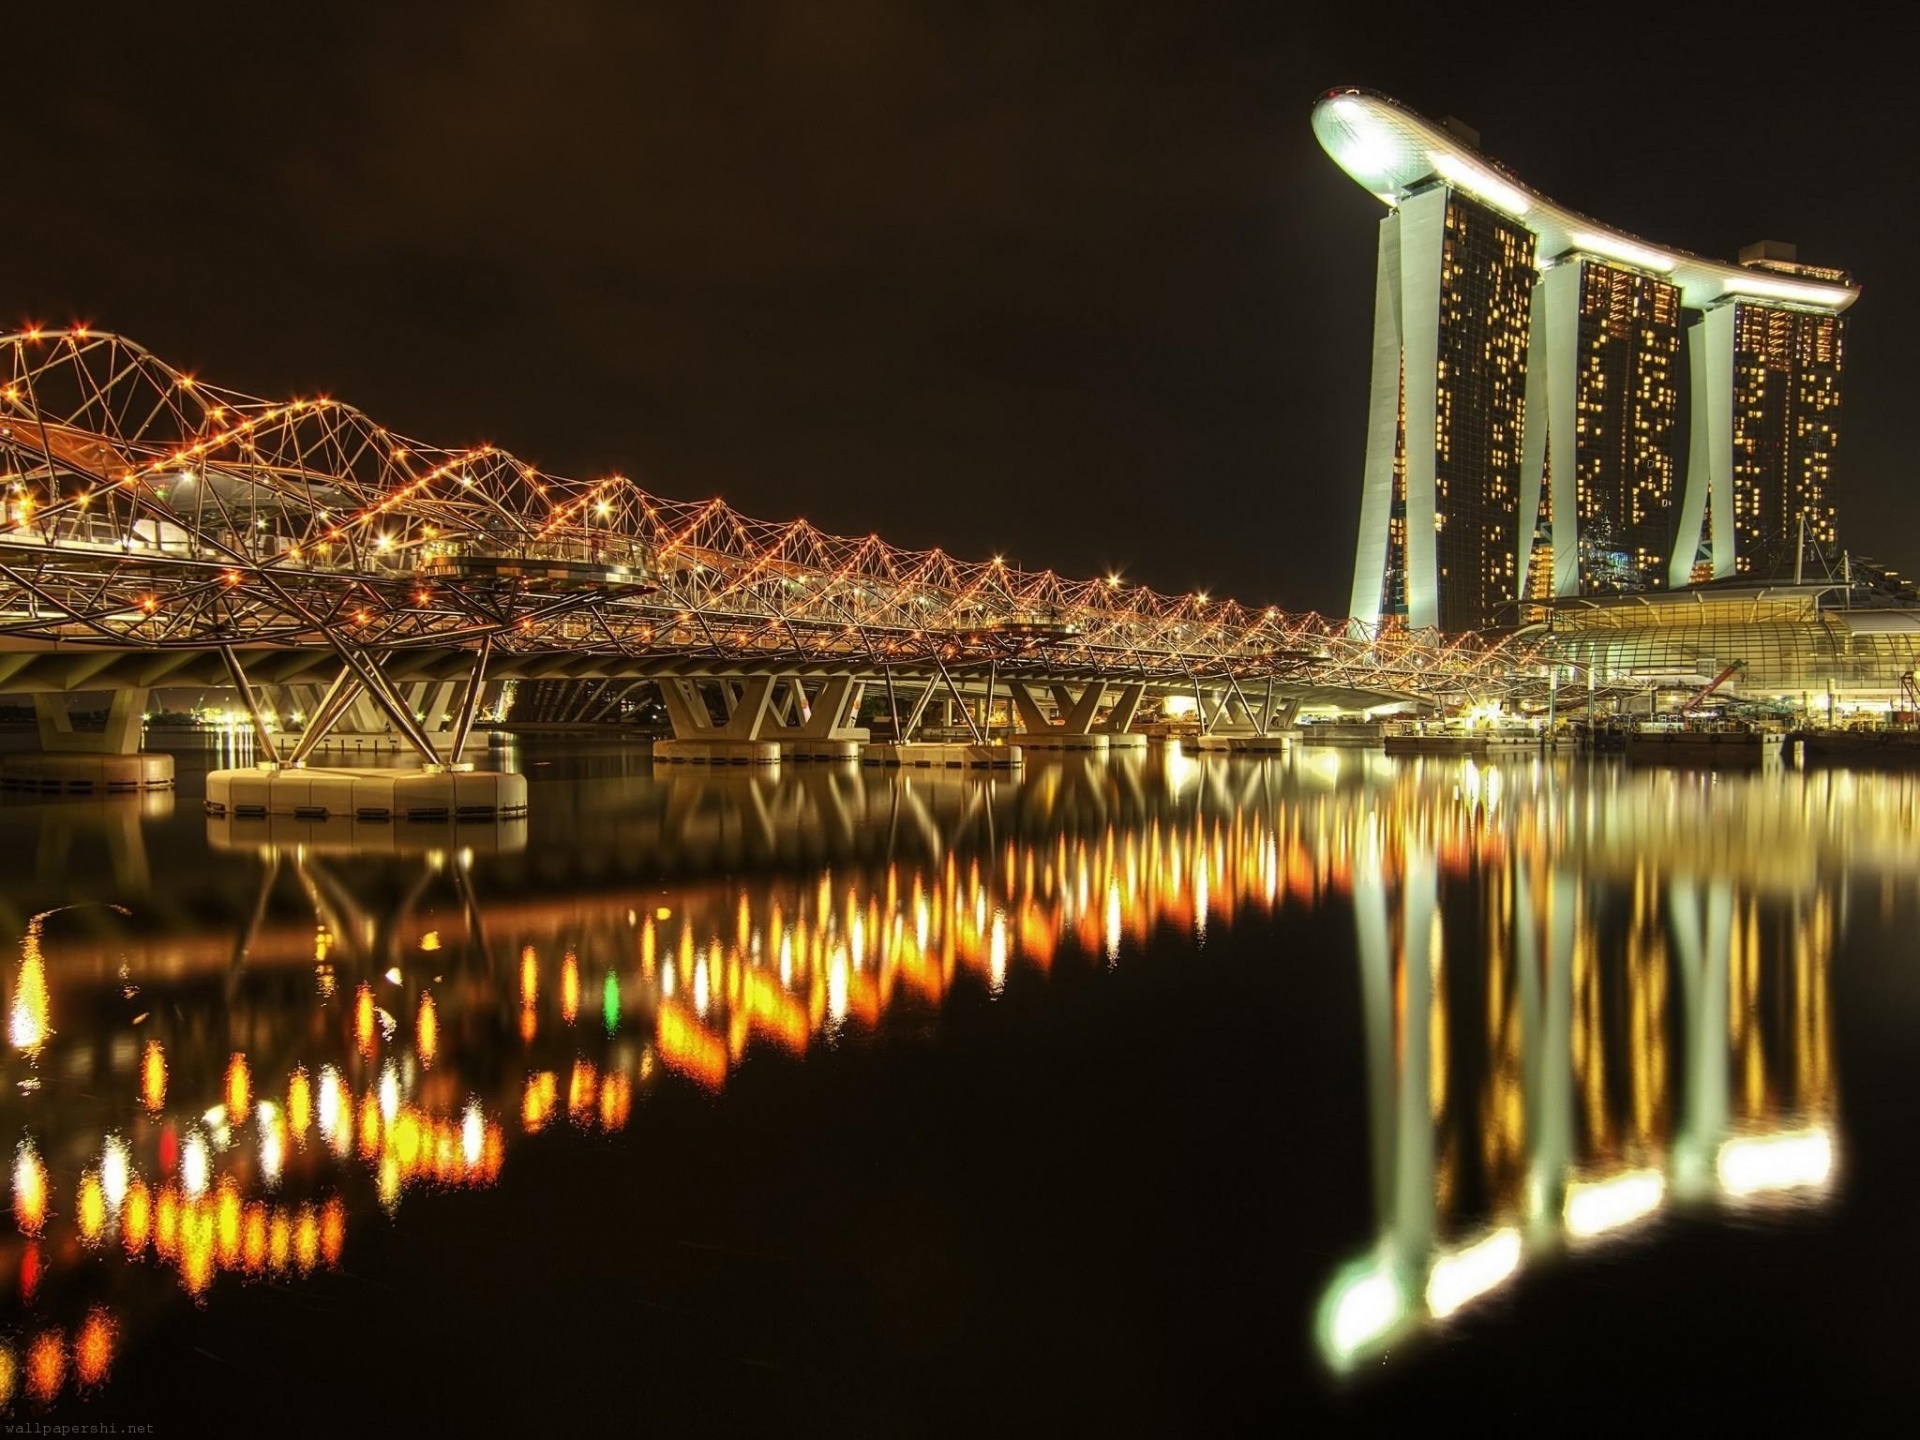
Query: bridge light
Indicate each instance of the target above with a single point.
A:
(29, 1189)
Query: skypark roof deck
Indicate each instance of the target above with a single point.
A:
(1391, 151)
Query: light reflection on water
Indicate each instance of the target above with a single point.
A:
(1586, 998)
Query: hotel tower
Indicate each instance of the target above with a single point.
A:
(1524, 412)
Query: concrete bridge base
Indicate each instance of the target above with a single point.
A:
(1353, 734)
(107, 761)
(717, 752)
(1062, 742)
(945, 757)
(366, 795)
(826, 752)
(345, 835)
(1240, 744)
(83, 774)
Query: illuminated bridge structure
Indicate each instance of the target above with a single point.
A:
(160, 531)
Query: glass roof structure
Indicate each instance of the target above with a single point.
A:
(1795, 641)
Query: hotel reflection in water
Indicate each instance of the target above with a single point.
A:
(1582, 1003)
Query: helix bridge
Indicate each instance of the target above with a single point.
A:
(163, 530)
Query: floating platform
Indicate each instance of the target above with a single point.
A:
(717, 752)
(1878, 748)
(823, 752)
(1059, 742)
(1719, 749)
(378, 796)
(345, 835)
(1217, 744)
(944, 756)
(81, 774)
(1355, 735)
(1469, 743)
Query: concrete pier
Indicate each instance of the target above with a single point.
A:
(1276, 744)
(1355, 734)
(83, 774)
(1062, 742)
(107, 761)
(365, 795)
(346, 835)
(823, 752)
(937, 756)
(717, 752)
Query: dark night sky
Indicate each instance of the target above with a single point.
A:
(1070, 281)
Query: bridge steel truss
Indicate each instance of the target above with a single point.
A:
(158, 529)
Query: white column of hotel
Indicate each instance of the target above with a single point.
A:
(1553, 378)
(1709, 448)
(1533, 434)
(1383, 431)
(1693, 501)
(1423, 223)
(1718, 325)
(1561, 289)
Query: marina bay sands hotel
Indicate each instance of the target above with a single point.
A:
(1524, 415)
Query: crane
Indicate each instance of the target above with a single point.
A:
(1694, 702)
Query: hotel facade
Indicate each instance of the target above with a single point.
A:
(1525, 406)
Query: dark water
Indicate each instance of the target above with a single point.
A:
(1165, 1094)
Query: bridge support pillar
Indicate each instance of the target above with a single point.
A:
(1117, 724)
(89, 762)
(698, 739)
(1231, 724)
(121, 735)
(1073, 732)
(819, 728)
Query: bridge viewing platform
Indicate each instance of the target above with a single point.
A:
(160, 531)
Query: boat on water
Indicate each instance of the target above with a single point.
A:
(1721, 744)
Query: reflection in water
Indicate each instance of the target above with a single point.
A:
(1583, 1000)
(1597, 1097)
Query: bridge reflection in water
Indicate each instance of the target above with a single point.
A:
(1583, 1000)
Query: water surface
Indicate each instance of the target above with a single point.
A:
(1138, 1092)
